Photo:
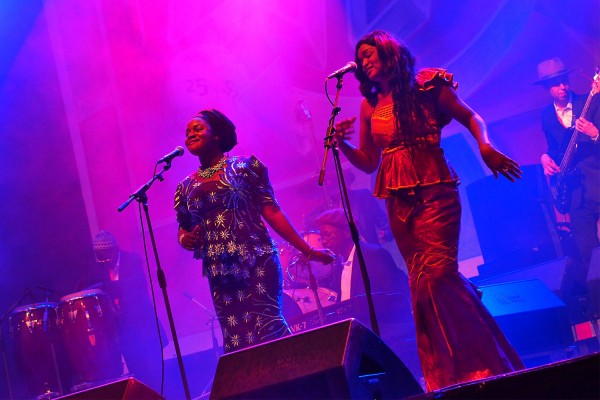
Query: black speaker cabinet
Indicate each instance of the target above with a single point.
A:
(122, 389)
(344, 360)
(574, 379)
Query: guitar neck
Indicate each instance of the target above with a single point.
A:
(570, 151)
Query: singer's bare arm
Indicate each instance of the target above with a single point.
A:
(367, 155)
(449, 102)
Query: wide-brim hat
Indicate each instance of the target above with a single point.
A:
(551, 69)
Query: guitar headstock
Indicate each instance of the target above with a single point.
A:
(595, 83)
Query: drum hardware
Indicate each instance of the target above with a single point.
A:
(45, 319)
(304, 271)
(313, 287)
(297, 269)
(305, 297)
(215, 343)
(302, 301)
(302, 264)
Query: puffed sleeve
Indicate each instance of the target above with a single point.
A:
(432, 79)
(184, 218)
(259, 177)
(430, 82)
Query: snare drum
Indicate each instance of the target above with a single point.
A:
(33, 329)
(89, 332)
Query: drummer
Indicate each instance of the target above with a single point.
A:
(120, 274)
(346, 280)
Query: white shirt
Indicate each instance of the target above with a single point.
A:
(114, 272)
(346, 278)
(565, 115)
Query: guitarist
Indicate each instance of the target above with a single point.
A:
(583, 201)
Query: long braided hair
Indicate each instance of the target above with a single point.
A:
(399, 66)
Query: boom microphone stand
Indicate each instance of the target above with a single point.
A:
(329, 143)
(141, 197)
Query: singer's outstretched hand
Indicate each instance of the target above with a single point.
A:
(499, 163)
(344, 129)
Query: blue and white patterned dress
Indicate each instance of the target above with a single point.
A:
(238, 255)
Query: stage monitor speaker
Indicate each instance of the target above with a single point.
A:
(344, 360)
(551, 273)
(122, 389)
(573, 379)
(533, 318)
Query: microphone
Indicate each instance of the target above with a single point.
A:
(350, 67)
(178, 152)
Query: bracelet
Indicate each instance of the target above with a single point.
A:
(595, 138)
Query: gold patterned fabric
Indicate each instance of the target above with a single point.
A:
(228, 211)
(238, 255)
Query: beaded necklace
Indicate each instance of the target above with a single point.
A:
(210, 171)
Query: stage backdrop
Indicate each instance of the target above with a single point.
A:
(93, 93)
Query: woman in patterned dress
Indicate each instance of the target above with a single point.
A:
(401, 117)
(220, 210)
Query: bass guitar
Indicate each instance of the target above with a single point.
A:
(560, 182)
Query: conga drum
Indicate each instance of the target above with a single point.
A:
(34, 333)
(88, 327)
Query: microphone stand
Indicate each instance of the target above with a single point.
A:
(141, 197)
(313, 287)
(45, 317)
(329, 144)
(52, 348)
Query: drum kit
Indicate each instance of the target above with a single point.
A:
(72, 342)
(299, 296)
